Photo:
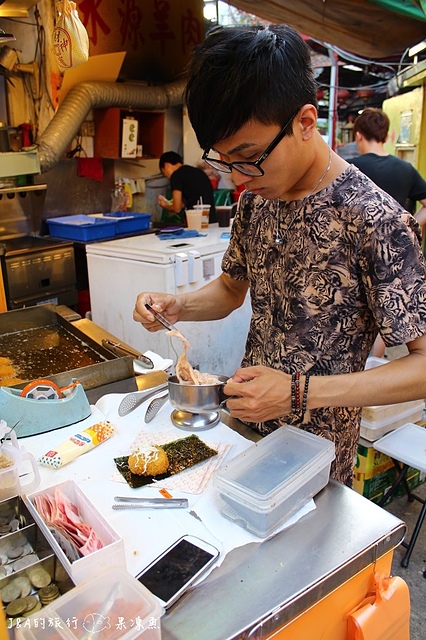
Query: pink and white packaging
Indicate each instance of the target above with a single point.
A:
(111, 554)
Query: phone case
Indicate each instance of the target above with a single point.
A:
(171, 574)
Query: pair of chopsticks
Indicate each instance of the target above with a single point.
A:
(150, 503)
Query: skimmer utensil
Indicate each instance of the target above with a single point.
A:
(133, 400)
(155, 406)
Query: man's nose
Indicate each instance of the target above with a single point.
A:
(239, 178)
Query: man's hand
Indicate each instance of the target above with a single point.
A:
(258, 394)
(164, 303)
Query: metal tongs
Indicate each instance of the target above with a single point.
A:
(150, 503)
(165, 323)
(161, 319)
(121, 350)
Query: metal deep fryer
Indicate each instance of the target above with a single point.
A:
(54, 363)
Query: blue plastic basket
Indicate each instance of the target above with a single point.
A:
(127, 221)
(81, 227)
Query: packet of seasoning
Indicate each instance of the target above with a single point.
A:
(77, 444)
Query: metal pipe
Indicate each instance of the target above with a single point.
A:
(85, 96)
(332, 100)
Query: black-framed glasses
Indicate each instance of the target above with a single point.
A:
(248, 168)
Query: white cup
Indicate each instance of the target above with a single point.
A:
(194, 219)
(10, 482)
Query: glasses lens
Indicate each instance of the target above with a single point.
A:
(248, 169)
(218, 165)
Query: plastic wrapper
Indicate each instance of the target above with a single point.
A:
(77, 444)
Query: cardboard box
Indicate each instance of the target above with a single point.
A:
(369, 462)
(375, 473)
(414, 479)
(110, 555)
(375, 487)
(129, 138)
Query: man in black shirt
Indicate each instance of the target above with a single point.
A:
(394, 175)
(189, 186)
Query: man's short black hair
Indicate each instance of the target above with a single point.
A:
(240, 74)
(170, 156)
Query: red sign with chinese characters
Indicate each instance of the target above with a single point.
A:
(158, 35)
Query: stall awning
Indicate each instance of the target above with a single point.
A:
(376, 29)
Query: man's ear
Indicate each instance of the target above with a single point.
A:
(360, 140)
(307, 120)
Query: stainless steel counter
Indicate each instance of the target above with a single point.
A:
(288, 573)
(276, 580)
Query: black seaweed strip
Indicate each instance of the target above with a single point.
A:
(183, 453)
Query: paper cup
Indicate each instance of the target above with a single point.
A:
(194, 219)
(10, 482)
(205, 208)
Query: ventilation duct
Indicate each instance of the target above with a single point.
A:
(85, 96)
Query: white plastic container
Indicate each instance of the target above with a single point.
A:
(110, 555)
(111, 606)
(407, 444)
(376, 420)
(266, 484)
(10, 481)
(375, 429)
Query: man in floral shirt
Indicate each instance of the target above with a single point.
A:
(329, 259)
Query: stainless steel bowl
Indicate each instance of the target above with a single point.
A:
(197, 398)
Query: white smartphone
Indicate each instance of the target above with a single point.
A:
(177, 568)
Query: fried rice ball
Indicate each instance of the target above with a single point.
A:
(148, 461)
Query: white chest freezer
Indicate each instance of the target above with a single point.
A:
(121, 269)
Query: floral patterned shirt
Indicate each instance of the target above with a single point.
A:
(349, 265)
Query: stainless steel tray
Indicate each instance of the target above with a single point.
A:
(40, 343)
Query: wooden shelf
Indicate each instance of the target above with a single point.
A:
(108, 126)
(16, 8)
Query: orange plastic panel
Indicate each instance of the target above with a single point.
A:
(327, 619)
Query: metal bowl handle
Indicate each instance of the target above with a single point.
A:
(222, 396)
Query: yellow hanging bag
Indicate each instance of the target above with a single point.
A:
(70, 39)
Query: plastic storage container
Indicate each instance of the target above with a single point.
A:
(81, 227)
(38, 559)
(111, 555)
(377, 420)
(372, 430)
(266, 484)
(111, 606)
(126, 222)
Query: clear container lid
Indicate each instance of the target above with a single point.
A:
(276, 465)
(111, 606)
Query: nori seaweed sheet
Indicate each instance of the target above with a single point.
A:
(182, 454)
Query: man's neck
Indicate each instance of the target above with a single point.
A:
(372, 146)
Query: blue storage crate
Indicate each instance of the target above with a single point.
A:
(81, 227)
(127, 221)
